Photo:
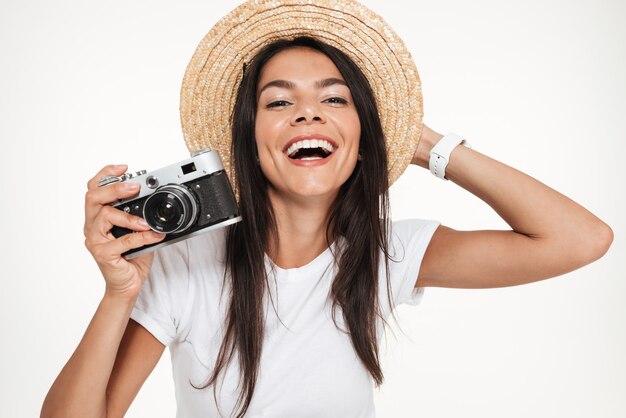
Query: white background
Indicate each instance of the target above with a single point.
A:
(538, 85)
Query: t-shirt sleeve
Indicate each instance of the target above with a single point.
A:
(408, 244)
(161, 302)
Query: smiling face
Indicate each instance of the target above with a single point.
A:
(307, 127)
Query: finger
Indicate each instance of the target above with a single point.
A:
(109, 170)
(112, 250)
(95, 199)
(107, 218)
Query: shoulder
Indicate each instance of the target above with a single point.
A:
(179, 272)
(416, 231)
(176, 265)
(408, 241)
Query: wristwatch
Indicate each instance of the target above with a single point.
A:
(440, 154)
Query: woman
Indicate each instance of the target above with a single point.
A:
(314, 268)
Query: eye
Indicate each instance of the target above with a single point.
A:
(278, 103)
(337, 100)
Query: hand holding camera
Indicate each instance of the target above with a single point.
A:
(122, 277)
(129, 215)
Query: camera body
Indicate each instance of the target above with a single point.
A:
(181, 200)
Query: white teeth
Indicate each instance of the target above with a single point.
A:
(310, 143)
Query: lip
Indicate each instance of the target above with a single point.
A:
(310, 163)
(310, 136)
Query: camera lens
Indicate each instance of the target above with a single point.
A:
(172, 208)
(166, 212)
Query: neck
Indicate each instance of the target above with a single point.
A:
(301, 225)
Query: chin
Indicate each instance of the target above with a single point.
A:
(307, 191)
(315, 191)
(315, 183)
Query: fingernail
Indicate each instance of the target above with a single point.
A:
(131, 186)
(143, 223)
(120, 167)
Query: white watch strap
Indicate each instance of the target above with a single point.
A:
(440, 154)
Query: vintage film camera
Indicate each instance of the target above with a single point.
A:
(181, 200)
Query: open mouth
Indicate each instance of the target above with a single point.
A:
(310, 149)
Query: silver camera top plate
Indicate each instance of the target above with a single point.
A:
(200, 164)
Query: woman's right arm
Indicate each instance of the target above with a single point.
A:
(115, 355)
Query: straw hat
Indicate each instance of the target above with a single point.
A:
(210, 83)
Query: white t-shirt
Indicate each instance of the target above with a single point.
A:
(308, 367)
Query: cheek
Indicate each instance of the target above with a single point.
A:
(352, 131)
(262, 135)
(265, 130)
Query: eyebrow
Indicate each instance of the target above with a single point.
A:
(319, 84)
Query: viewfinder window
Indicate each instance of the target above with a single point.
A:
(189, 168)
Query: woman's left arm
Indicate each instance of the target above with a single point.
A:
(551, 235)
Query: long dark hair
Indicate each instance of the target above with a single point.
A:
(359, 215)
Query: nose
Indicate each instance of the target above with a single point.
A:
(307, 113)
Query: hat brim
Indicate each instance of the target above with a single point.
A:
(215, 71)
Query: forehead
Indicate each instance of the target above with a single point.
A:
(298, 63)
